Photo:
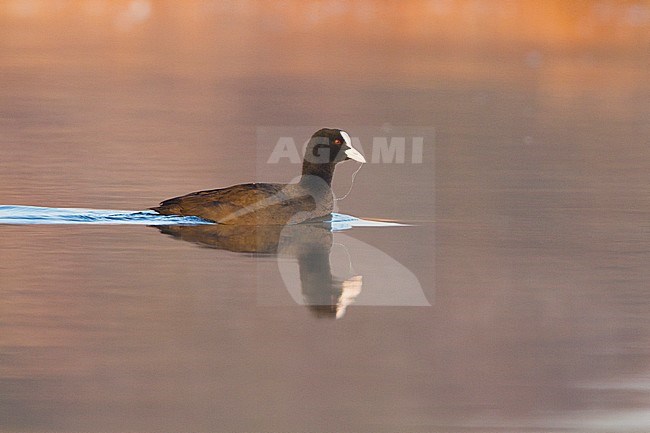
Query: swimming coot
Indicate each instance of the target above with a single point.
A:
(274, 203)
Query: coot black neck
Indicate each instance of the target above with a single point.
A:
(324, 171)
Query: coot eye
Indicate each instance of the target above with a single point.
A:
(337, 141)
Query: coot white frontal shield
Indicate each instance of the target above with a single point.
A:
(352, 153)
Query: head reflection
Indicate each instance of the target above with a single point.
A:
(308, 244)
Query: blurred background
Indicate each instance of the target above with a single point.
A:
(89, 86)
(531, 215)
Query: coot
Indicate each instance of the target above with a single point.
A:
(275, 203)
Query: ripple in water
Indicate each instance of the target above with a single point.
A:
(48, 215)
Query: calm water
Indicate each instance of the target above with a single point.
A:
(514, 299)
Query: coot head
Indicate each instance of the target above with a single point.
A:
(331, 146)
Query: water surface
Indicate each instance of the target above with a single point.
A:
(514, 297)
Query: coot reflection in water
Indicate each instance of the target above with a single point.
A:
(310, 246)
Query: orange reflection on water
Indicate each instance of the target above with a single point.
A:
(547, 23)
